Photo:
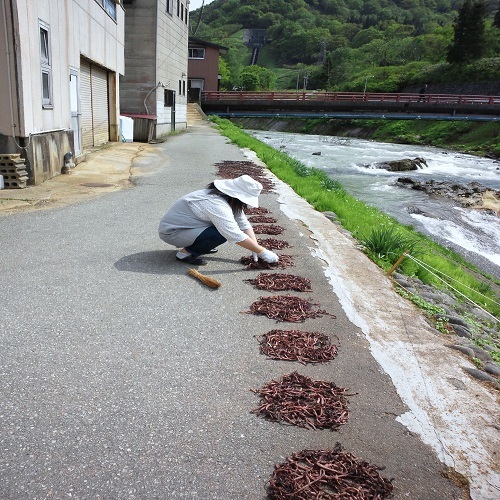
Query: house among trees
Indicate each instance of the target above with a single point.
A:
(203, 67)
(153, 90)
(61, 63)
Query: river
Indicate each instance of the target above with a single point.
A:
(474, 234)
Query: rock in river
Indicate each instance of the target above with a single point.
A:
(472, 195)
(403, 165)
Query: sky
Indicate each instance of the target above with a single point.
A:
(196, 4)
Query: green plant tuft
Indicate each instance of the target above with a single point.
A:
(387, 243)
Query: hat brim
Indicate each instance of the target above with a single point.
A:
(223, 186)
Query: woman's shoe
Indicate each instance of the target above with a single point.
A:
(191, 259)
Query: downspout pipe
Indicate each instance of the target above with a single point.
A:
(159, 84)
(9, 76)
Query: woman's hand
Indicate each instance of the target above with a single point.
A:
(268, 256)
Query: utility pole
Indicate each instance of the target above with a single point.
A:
(366, 81)
(199, 18)
(322, 52)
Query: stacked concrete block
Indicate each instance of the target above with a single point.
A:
(13, 170)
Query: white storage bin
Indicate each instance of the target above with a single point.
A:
(126, 129)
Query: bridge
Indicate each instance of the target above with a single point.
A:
(350, 105)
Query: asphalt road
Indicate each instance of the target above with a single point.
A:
(122, 377)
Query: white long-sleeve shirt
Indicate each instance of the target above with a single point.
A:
(193, 213)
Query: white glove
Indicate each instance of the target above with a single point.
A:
(268, 256)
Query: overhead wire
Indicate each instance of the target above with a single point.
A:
(431, 270)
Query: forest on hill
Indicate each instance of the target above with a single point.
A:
(352, 45)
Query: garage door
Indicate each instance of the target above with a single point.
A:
(94, 104)
(86, 106)
(100, 114)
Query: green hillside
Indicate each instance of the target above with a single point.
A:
(385, 45)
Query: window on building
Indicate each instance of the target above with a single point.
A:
(170, 6)
(186, 15)
(196, 53)
(45, 65)
(182, 12)
(184, 87)
(109, 6)
(180, 87)
(169, 98)
(178, 8)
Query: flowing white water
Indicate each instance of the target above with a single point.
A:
(474, 234)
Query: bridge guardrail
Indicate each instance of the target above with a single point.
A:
(326, 97)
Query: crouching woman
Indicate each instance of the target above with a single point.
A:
(202, 220)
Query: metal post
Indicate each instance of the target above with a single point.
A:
(391, 270)
(366, 81)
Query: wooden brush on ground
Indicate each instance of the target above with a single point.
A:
(206, 280)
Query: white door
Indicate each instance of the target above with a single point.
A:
(75, 110)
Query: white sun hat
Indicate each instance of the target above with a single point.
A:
(243, 187)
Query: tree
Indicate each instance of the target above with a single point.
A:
(431, 47)
(225, 75)
(469, 42)
(257, 78)
(496, 21)
(366, 36)
(249, 80)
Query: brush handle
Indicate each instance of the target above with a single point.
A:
(206, 280)
(195, 273)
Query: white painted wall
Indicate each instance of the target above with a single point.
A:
(77, 27)
(172, 64)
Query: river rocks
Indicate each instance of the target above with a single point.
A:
(487, 347)
(461, 331)
(439, 298)
(404, 165)
(480, 375)
(330, 215)
(418, 211)
(473, 351)
(473, 194)
(463, 349)
(481, 354)
(457, 383)
(492, 369)
(487, 370)
(480, 313)
(403, 282)
(466, 337)
(317, 153)
(454, 320)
